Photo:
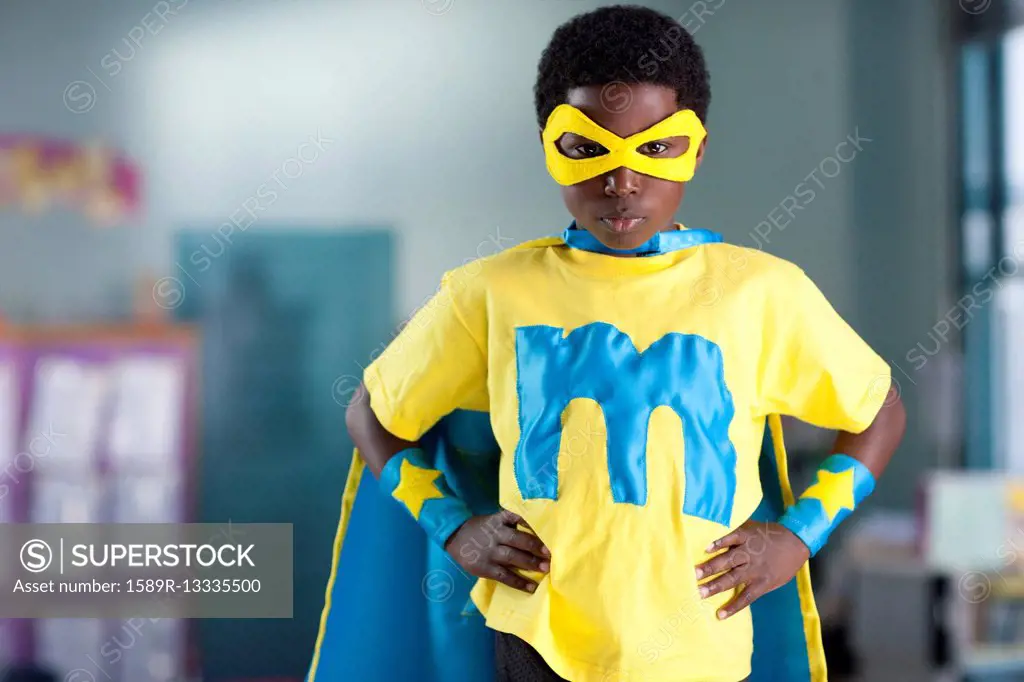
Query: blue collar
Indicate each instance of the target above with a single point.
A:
(662, 242)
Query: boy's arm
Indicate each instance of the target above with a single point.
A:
(486, 546)
(875, 446)
(763, 557)
(816, 368)
(436, 364)
(376, 444)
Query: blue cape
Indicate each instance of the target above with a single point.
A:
(397, 607)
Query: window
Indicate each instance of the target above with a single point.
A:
(1009, 323)
(992, 243)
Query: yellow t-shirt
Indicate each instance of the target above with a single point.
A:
(629, 398)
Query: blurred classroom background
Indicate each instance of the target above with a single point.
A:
(213, 215)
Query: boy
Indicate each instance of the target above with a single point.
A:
(629, 407)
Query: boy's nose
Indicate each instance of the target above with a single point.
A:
(621, 182)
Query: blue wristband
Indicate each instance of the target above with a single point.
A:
(840, 484)
(425, 494)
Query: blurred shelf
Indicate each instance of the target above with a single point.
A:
(1011, 587)
(896, 565)
(993, 658)
(897, 674)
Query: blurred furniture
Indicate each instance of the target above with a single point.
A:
(100, 425)
(940, 596)
(10, 408)
(895, 602)
(26, 674)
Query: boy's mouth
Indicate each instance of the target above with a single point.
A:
(622, 224)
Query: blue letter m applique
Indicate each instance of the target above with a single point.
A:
(597, 361)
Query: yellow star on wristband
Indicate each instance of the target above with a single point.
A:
(416, 486)
(834, 491)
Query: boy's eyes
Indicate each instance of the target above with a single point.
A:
(670, 147)
(653, 148)
(589, 149)
(577, 147)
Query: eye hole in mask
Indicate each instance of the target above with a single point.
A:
(577, 149)
(573, 146)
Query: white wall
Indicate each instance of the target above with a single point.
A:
(432, 117)
(435, 131)
(904, 200)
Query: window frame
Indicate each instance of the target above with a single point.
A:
(981, 36)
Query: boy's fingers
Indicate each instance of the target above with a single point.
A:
(510, 518)
(742, 601)
(519, 559)
(524, 541)
(722, 583)
(737, 537)
(511, 578)
(731, 558)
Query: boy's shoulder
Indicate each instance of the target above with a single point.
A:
(748, 275)
(508, 258)
(542, 243)
(759, 262)
(736, 263)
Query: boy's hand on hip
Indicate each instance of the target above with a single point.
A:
(492, 547)
(759, 557)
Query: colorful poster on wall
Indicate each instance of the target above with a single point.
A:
(37, 174)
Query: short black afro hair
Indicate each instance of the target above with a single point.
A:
(622, 43)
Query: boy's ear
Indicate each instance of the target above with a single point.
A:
(700, 153)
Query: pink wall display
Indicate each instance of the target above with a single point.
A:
(38, 174)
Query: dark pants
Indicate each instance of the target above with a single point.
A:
(517, 661)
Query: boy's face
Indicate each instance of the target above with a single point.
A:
(624, 208)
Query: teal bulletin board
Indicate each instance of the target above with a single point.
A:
(287, 318)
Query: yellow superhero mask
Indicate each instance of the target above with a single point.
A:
(621, 151)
